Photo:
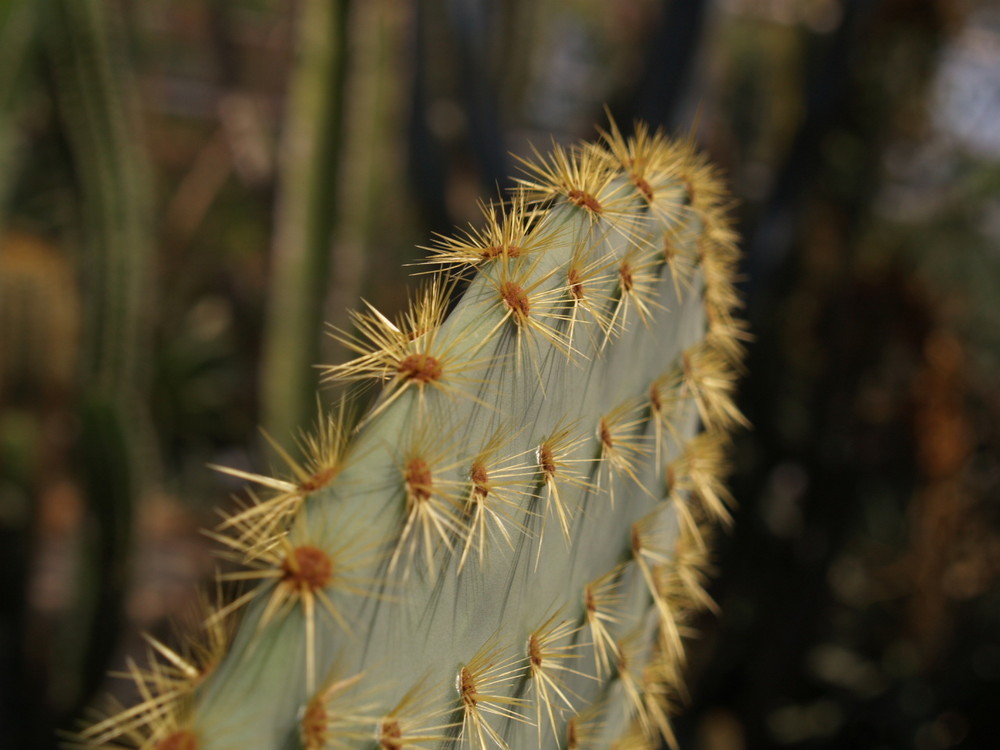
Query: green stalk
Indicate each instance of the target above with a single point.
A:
(304, 217)
(18, 43)
(115, 246)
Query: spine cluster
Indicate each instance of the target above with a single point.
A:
(505, 550)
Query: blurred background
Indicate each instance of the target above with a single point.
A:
(190, 189)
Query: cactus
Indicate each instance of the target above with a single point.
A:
(503, 551)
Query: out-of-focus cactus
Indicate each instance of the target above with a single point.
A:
(93, 96)
(74, 309)
(503, 551)
(304, 220)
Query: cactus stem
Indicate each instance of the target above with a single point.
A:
(642, 186)
(638, 284)
(608, 454)
(546, 661)
(572, 736)
(431, 511)
(315, 726)
(671, 630)
(281, 485)
(711, 382)
(410, 353)
(557, 468)
(651, 164)
(698, 471)
(664, 399)
(303, 574)
(622, 446)
(726, 334)
(631, 674)
(323, 449)
(700, 183)
(684, 579)
(423, 368)
(306, 568)
(582, 177)
(390, 735)
(634, 739)
(680, 263)
(187, 671)
(492, 500)
(334, 715)
(602, 603)
(481, 685)
(645, 536)
(585, 200)
(576, 284)
(533, 306)
(584, 282)
(655, 697)
(152, 718)
(647, 554)
(510, 231)
(415, 721)
(582, 728)
(182, 739)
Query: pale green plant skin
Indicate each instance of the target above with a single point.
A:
(418, 591)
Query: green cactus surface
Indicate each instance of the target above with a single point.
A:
(504, 551)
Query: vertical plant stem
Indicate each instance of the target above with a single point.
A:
(18, 706)
(115, 241)
(304, 221)
(17, 46)
(366, 236)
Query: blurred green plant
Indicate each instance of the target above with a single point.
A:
(305, 214)
(101, 375)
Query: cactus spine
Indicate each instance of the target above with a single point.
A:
(502, 552)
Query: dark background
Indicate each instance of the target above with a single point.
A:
(189, 189)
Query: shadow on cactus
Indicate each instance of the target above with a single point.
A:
(503, 552)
